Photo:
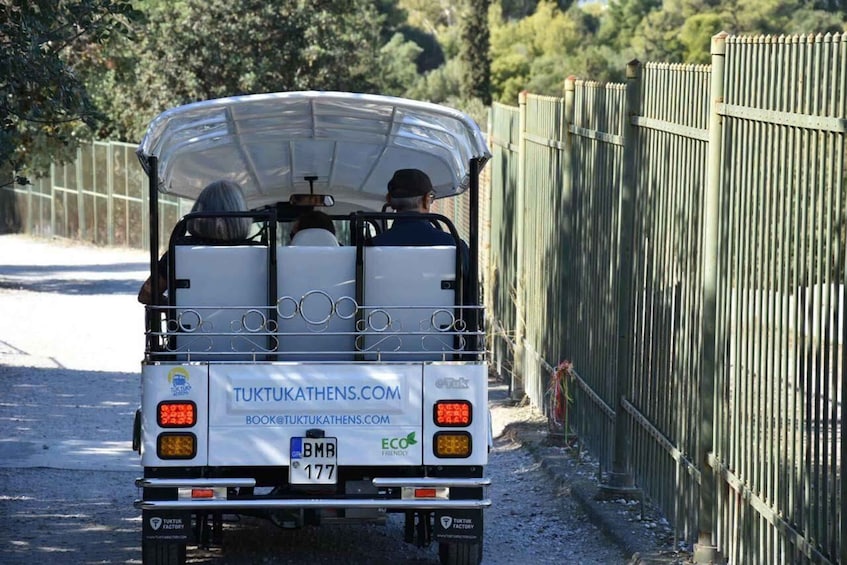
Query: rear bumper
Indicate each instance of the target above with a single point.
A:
(313, 502)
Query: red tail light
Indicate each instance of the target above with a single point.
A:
(452, 413)
(176, 414)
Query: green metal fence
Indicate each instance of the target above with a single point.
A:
(500, 272)
(680, 239)
(100, 197)
(780, 324)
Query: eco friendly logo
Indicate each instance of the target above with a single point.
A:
(156, 523)
(398, 446)
(178, 378)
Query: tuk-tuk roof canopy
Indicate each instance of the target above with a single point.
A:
(352, 143)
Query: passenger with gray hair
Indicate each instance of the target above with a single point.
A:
(218, 196)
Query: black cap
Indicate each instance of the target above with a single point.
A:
(407, 183)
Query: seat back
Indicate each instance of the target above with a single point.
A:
(409, 303)
(221, 299)
(316, 303)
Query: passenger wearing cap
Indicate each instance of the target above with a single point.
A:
(410, 191)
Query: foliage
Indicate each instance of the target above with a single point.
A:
(681, 30)
(44, 104)
(396, 65)
(432, 16)
(539, 50)
(322, 44)
(475, 51)
(98, 68)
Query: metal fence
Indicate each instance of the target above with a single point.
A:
(100, 197)
(680, 239)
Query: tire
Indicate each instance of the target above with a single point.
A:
(158, 553)
(460, 553)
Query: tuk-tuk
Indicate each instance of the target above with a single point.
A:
(310, 383)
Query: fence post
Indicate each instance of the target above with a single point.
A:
(705, 550)
(52, 199)
(110, 192)
(620, 481)
(80, 196)
(517, 386)
(568, 287)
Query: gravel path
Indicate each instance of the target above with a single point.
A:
(70, 346)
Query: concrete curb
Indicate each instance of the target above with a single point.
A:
(636, 527)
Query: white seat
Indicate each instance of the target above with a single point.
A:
(314, 237)
(221, 290)
(409, 301)
(316, 302)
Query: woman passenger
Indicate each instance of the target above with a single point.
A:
(218, 196)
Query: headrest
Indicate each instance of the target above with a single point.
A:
(314, 237)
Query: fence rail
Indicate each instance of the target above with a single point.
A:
(680, 238)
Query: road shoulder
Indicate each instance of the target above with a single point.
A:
(636, 526)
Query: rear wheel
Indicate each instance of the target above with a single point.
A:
(159, 553)
(460, 553)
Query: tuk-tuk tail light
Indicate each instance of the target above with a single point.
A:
(452, 445)
(452, 413)
(176, 445)
(176, 414)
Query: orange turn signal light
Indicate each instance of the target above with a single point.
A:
(176, 445)
(452, 413)
(176, 414)
(452, 444)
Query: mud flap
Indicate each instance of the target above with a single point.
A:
(165, 526)
(458, 526)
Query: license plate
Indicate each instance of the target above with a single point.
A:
(314, 461)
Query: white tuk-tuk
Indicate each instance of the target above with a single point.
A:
(313, 383)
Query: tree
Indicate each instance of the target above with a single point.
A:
(396, 68)
(214, 48)
(539, 51)
(475, 51)
(43, 102)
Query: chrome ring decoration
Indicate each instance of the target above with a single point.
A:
(323, 320)
(442, 320)
(387, 320)
(262, 320)
(182, 324)
(294, 307)
(354, 307)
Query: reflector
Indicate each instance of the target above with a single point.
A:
(202, 493)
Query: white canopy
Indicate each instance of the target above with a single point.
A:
(352, 143)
